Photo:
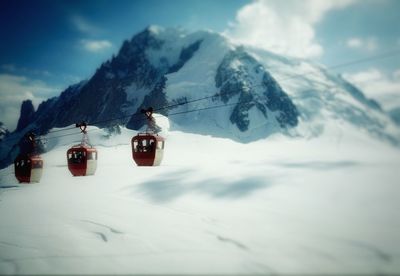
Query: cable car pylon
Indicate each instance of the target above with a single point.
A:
(28, 166)
(82, 158)
(148, 147)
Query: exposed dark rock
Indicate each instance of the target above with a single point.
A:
(155, 99)
(26, 115)
(235, 77)
(185, 55)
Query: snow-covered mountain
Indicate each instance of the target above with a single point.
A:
(160, 67)
(257, 93)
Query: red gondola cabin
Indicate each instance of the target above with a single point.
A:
(82, 160)
(28, 168)
(147, 149)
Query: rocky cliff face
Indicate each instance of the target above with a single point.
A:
(26, 115)
(240, 76)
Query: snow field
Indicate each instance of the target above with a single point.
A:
(278, 205)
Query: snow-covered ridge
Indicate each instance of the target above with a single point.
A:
(321, 96)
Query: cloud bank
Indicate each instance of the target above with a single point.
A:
(285, 27)
(15, 89)
(375, 84)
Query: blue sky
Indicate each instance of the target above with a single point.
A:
(47, 45)
(59, 37)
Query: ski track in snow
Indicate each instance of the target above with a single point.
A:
(2, 243)
(380, 254)
(232, 241)
(102, 236)
(113, 230)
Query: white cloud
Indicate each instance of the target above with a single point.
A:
(84, 26)
(15, 89)
(285, 27)
(89, 29)
(354, 42)
(369, 43)
(376, 85)
(95, 45)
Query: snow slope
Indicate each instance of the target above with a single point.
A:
(278, 205)
(322, 96)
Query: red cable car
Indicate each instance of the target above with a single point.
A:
(148, 147)
(82, 158)
(28, 167)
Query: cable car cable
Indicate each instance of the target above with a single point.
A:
(171, 114)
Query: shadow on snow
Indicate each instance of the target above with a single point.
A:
(172, 186)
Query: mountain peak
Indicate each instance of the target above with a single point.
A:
(26, 114)
(155, 29)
